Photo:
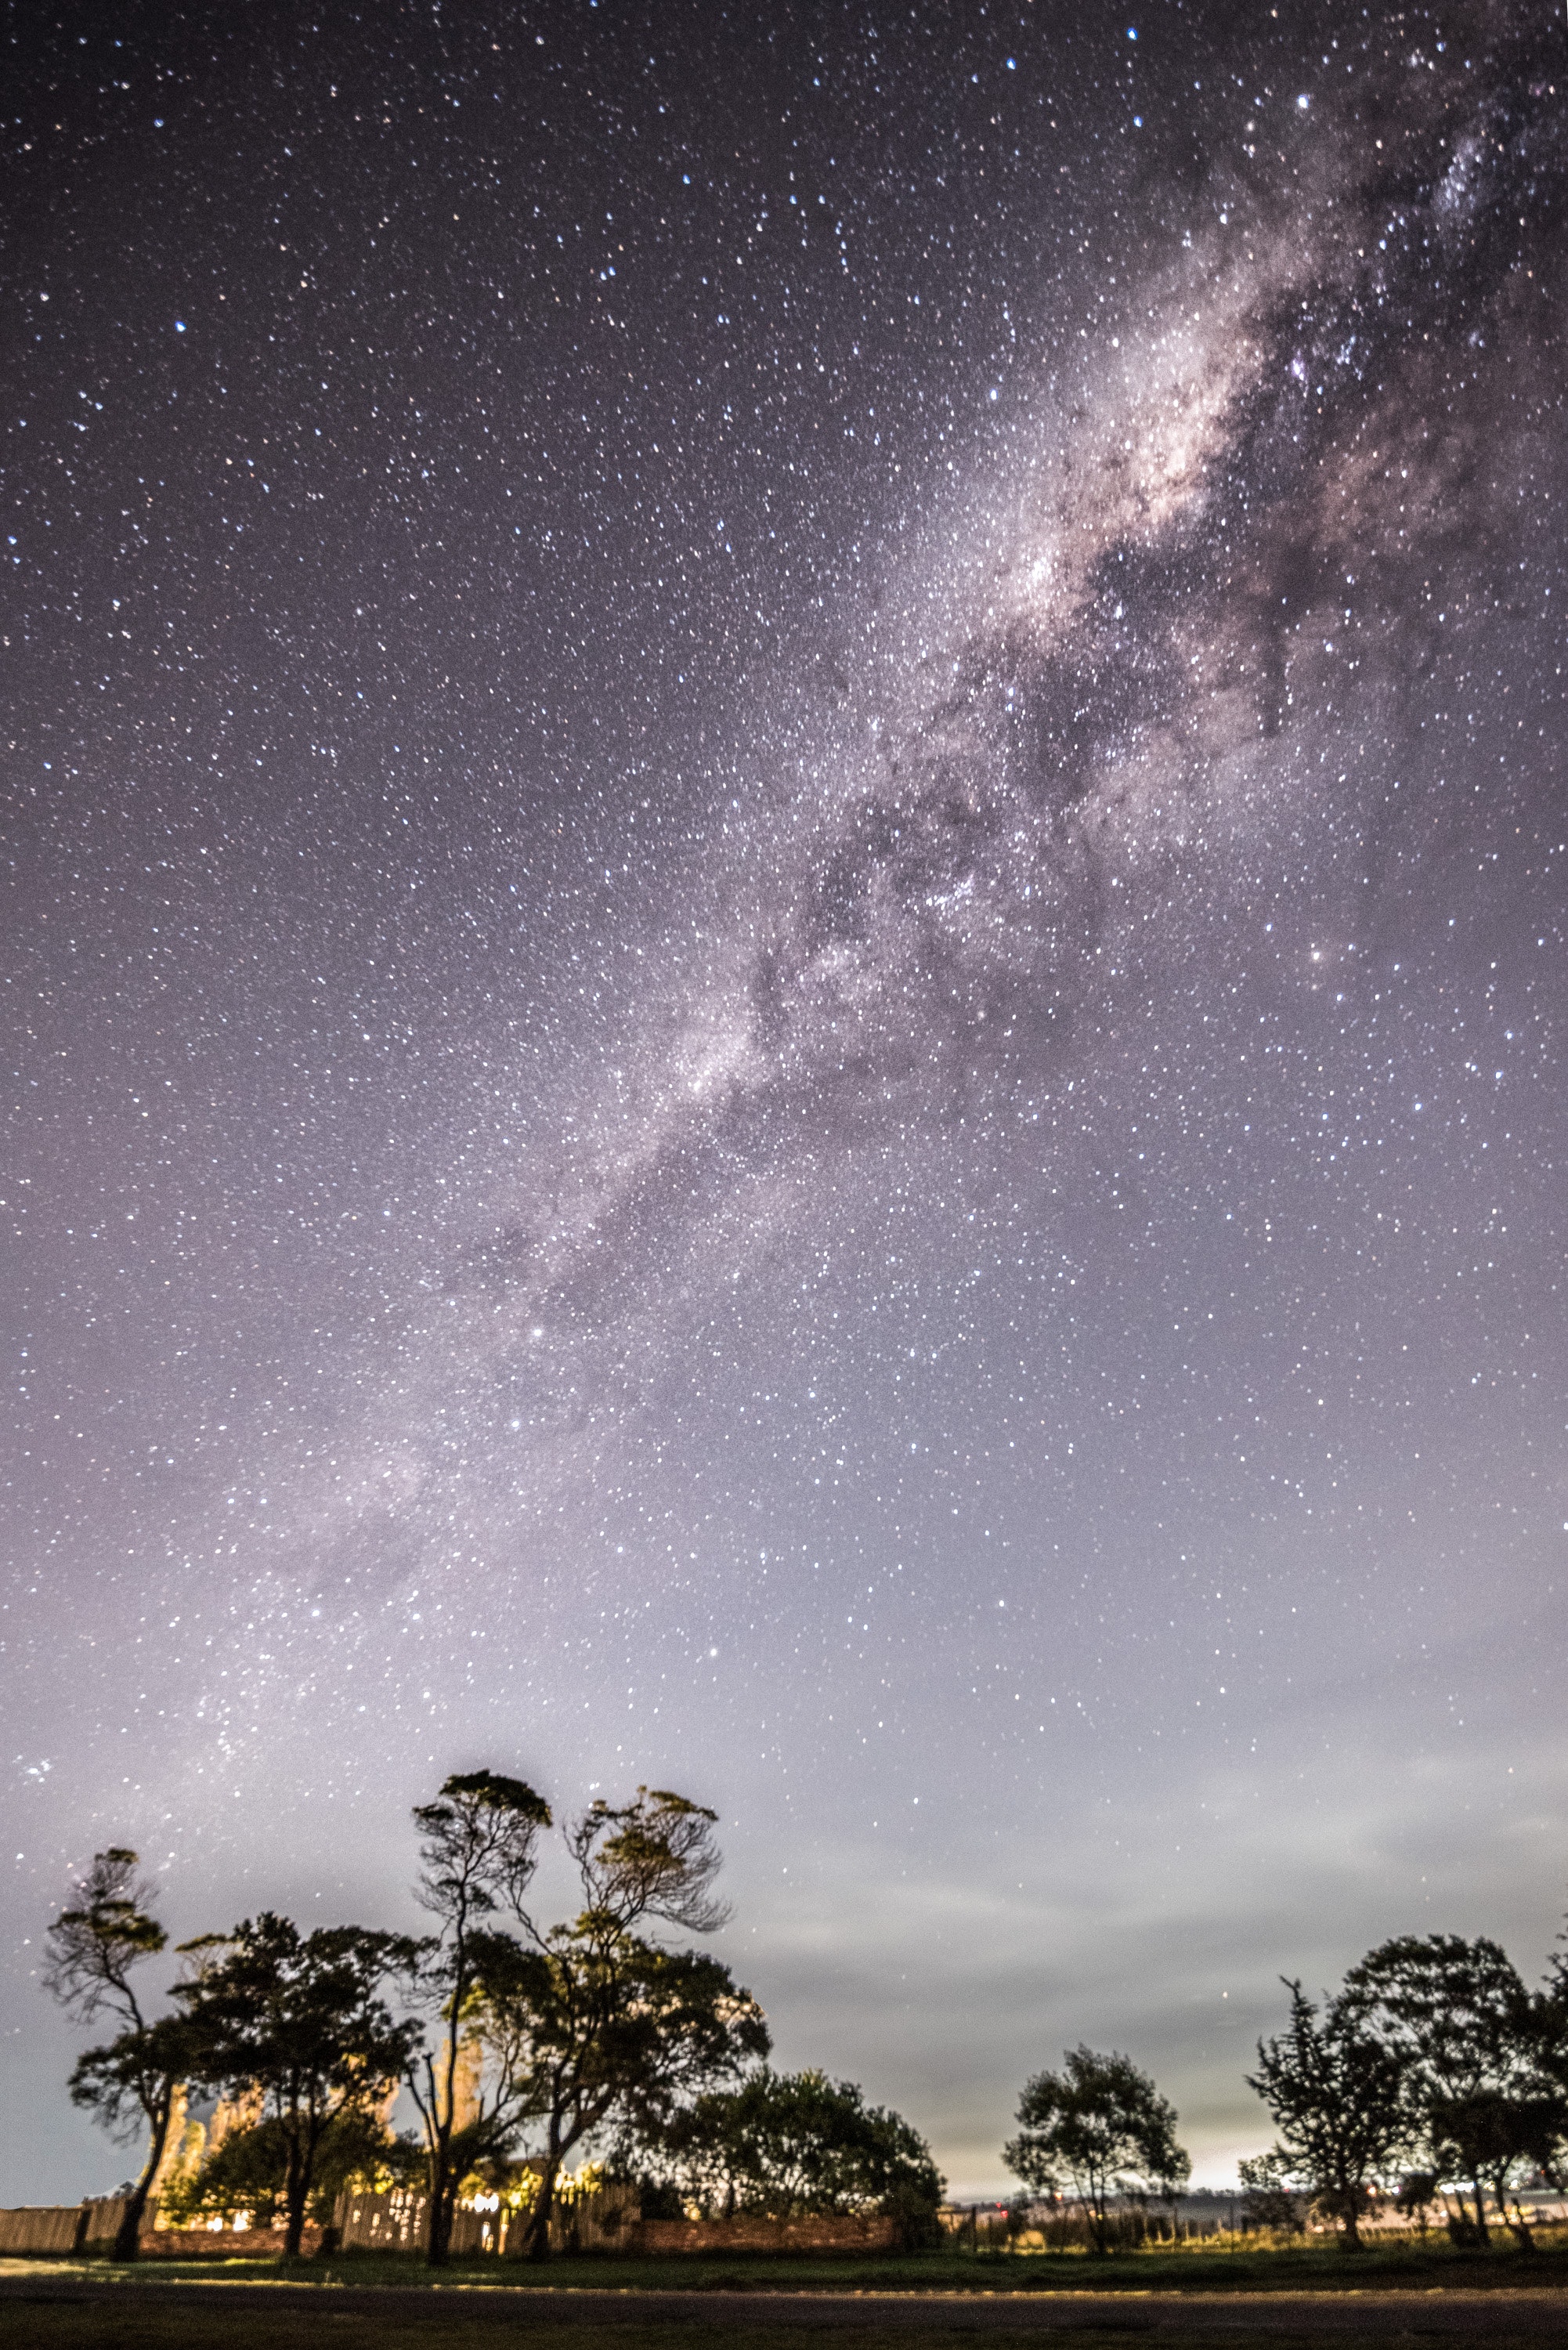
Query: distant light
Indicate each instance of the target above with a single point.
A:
(178, 326)
(1303, 101)
(1132, 32)
(1012, 65)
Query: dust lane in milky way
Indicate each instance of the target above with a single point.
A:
(787, 985)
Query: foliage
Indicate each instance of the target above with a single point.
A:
(94, 1945)
(1415, 2194)
(1268, 2193)
(653, 1857)
(1338, 2095)
(792, 2143)
(1543, 2028)
(1102, 2126)
(129, 2083)
(601, 2030)
(1460, 2019)
(248, 2170)
(298, 2020)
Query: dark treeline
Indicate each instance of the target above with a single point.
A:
(1434, 2076)
(511, 2037)
(1434, 2071)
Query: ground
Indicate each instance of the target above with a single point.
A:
(1190, 2299)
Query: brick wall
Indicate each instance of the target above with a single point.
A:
(221, 2243)
(821, 2233)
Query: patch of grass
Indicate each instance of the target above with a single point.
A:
(1235, 2265)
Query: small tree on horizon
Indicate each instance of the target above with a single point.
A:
(1102, 2126)
(786, 2143)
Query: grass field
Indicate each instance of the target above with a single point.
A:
(1192, 2297)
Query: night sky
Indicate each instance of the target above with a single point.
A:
(785, 844)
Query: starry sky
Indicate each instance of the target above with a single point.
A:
(783, 971)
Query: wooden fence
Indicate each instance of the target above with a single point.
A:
(60, 2227)
(606, 2221)
(396, 2222)
(88, 2227)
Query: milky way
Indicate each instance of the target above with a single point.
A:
(785, 816)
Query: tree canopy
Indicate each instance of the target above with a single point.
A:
(478, 1854)
(1457, 2016)
(1101, 2127)
(1339, 2097)
(790, 2143)
(300, 2021)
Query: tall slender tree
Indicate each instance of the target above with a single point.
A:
(131, 2083)
(596, 2024)
(478, 1854)
(587, 2030)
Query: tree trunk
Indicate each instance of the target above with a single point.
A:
(537, 2247)
(443, 2101)
(1479, 2193)
(128, 2235)
(295, 2186)
(1519, 2226)
(438, 2219)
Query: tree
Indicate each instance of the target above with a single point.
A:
(1543, 2030)
(593, 2027)
(249, 2169)
(790, 2143)
(129, 2083)
(298, 2020)
(1456, 2012)
(602, 2034)
(1337, 2093)
(1416, 2193)
(1102, 2125)
(479, 1853)
(1269, 2195)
